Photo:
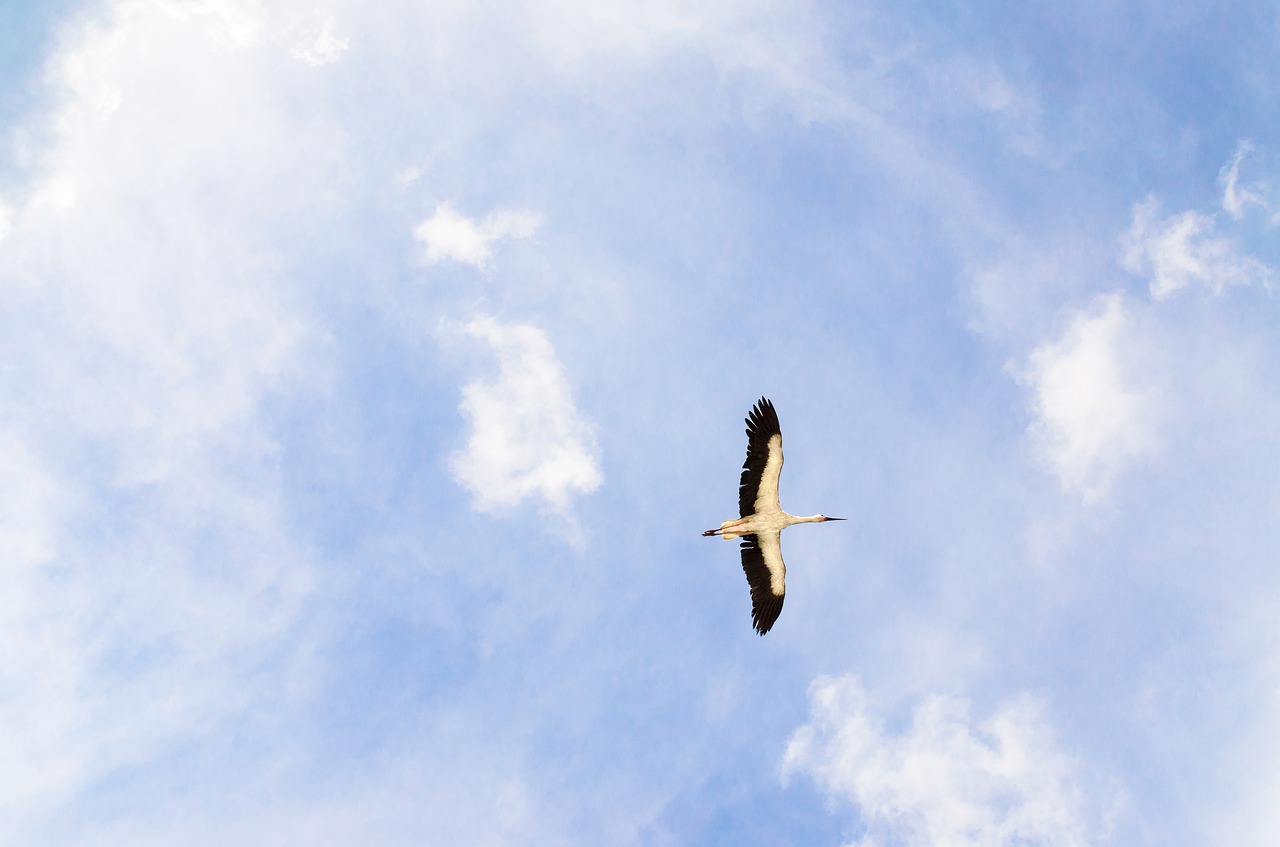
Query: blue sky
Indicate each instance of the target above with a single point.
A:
(371, 369)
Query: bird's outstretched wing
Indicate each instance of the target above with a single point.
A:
(767, 576)
(759, 485)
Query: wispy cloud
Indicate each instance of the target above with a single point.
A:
(1182, 250)
(144, 322)
(450, 235)
(1094, 394)
(232, 24)
(223, 606)
(945, 778)
(1092, 414)
(320, 43)
(1236, 198)
(527, 438)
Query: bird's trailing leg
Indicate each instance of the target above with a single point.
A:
(727, 525)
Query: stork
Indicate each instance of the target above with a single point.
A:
(762, 519)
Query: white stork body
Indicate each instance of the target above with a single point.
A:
(763, 519)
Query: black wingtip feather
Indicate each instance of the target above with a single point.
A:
(762, 424)
(763, 420)
(765, 605)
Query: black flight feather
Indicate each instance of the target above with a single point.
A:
(765, 605)
(762, 424)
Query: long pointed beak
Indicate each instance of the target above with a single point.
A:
(837, 519)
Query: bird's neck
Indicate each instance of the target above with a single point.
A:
(809, 519)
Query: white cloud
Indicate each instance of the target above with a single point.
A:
(1181, 250)
(37, 656)
(1235, 197)
(408, 176)
(527, 438)
(944, 780)
(320, 45)
(146, 318)
(450, 235)
(570, 30)
(231, 24)
(1091, 417)
(172, 314)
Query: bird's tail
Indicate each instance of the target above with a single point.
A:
(728, 536)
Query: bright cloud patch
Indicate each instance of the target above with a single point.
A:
(944, 780)
(321, 45)
(527, 438)
(450, 235)
(145, 318)
(1183, 250)
(1091, 418)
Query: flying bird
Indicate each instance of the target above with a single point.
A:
(762, 519)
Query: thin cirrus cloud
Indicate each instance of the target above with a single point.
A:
(189, 408)
(448, 234)
(145, 319)
(1186, 249)
(1236, 197)
(944, 779)
(1182, 250)
(527, 438)
(320, 44)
